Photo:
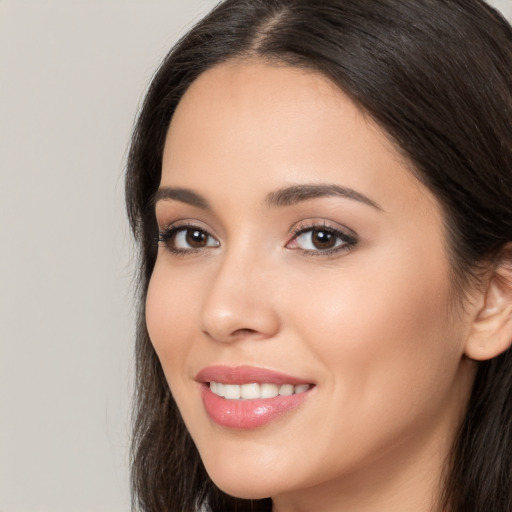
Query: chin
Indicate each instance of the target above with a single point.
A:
(243, 488)
(245, 483)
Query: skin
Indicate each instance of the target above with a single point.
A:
(373, 325)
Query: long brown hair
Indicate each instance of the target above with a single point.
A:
(436, 75)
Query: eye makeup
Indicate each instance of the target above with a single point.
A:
(320, 239)
(312, 237)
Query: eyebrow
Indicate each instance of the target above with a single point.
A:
(297, 193)
(183, 195)
(286, 196)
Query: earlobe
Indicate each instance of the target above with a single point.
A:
(491, 332)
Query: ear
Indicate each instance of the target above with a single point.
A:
(491, 332)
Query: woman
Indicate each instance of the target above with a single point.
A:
(322, 194)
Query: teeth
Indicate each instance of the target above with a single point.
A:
(248, 391)
(269, 390)
(298, 389)
(286, 390)
(254, 390)
(217, 388)
(232, 391)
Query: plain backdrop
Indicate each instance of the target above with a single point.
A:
(72, 74)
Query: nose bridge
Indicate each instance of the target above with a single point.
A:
(239, 302)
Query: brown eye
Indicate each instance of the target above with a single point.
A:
(190, 238)
(196, 238)
(322, 239)
(183, 239)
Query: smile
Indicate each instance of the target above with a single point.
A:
(246, 397)
(254, 391)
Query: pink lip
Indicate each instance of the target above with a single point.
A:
(246, 375)
(247, 414)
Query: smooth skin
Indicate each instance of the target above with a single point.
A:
(351, 292)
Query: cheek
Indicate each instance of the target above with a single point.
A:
(386, 338)
(169, 307)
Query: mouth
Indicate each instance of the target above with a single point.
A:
(246, 397)
(254, 391)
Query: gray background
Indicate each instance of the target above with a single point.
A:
(71, 76)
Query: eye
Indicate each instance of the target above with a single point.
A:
(186, 239)
(321, 240)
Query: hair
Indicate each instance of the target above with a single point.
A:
(436, 76)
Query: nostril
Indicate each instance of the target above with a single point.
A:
(244, 332)
(234, 335)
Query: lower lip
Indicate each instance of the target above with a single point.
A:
(248, 414)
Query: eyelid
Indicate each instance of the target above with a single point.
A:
(171, 229)
(318, 223)
(347, 238)
(347, 235)
(185, 222)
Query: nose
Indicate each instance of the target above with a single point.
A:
(240, 301)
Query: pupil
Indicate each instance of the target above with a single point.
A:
(323, 240)
(196, 238)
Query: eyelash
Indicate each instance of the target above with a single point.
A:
(349, 241)
(167, 235)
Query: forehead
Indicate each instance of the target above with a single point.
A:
(243, 121)
(273, 83)
(254, 94)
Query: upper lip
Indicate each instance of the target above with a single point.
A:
(246, 375)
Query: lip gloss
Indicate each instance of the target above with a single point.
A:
(247, 413)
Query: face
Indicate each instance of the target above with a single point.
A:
(300, 257)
